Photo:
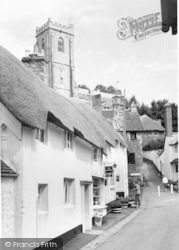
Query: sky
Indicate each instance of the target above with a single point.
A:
(146, 69)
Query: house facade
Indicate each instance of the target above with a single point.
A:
(54, 152)
(153, 130)
(128, 124)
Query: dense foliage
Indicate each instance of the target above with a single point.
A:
(153, 145)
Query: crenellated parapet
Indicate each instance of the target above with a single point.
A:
(69, 29)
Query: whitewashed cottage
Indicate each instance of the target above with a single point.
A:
(49, 148)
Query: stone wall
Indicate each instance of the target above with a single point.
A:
(135, 146)
(39, 66)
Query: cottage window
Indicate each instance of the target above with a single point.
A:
(176, 168)
(95, 154)
(133, 136)
(117, 178)
(131, 158)
(69, 191)
(69, 140)
(96, 191)
(40, 135)
(61, 44)
(109, 151)
(42, 198)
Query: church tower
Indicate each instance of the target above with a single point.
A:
(56, 43)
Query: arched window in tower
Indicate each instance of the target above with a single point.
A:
(43, 44)
(61, 44)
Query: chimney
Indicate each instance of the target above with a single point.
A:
(96, 102)
(133, 107)
(168, 120)
(27, 52)
(118, 111)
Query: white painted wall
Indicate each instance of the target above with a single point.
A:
(49, 164)
(163, 161)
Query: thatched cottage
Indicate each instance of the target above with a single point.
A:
(54, 152)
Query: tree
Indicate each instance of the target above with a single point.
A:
(175, 117)
(111, 89)
(144, 110)
(101, 88)
(83, 86)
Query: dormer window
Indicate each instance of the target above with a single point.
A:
(61, 44)
(42, 44)
(40, 135)
(69, 140)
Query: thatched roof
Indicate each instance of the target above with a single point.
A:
(33, 103)
(133, 122)
(150, 124)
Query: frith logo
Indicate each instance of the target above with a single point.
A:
(139, 28)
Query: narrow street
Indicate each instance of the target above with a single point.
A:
(156, 227)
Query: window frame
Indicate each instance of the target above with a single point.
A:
(131, 156)
(96, 198)
(40, 135)
(69, 140)
(133, 136)
(43, 44)
(69, 192)
(118, 178)
(61, 45)
(43, 199)
(95, 154)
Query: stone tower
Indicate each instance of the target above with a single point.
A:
(55, 42)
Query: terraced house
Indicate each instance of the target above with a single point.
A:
(54, 153)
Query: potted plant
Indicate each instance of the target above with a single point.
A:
(116, 206)
(131, 201)
(124, 202)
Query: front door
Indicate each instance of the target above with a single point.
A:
(85, 208)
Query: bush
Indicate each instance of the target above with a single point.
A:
(153, 145)
(116, 204)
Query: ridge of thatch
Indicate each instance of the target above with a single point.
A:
(133, 122)
(29, 100)
(150, 124)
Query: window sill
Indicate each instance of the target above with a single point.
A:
(42, 213)
(69, 206)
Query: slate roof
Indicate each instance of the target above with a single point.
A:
(6, 170)
(150, 124)
(32, 102)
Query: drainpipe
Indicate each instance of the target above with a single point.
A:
(71, 76)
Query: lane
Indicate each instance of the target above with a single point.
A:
(156, 227)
